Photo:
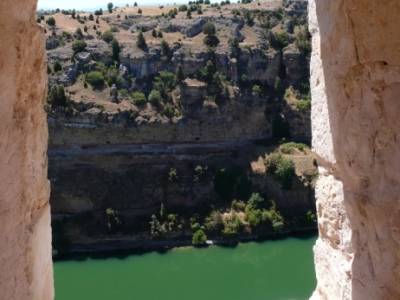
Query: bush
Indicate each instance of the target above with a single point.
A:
(141, 42)
(57, 66)
(51, 21)
(238, 205)
(140, 11)
(210, 39)
(209, 28)
(154, 33)
(279, 40)
(116, 49)
(155, 97)
(95, 79)
(180, 76)
(281, 168)
(303, 105)
(256, 89)
(213, 222)
(199, 238)
(232, 225)
(289, 148)
(138, 98)
(183, 7)
(79, 46)
(165, 49)
(107, 36)
(57, 96)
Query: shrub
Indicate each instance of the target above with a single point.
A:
(238, 205)
(154, 33)
(281, 168)
(155, 97)
(116, 49)
(57, 96)
(140, 11)
(189, 14)
(255, 201)
(95, 79)
(280, 39)
(256, 89)
(51, 21)
(180, 76)
(199, 238)
(79, 46)
(209, 28)
(213, 222)
(234, 47)
(91, 18)
(232, 225)
(183, 7)
(210, 39)
(141, 42)
(165, 49)
(138, 98)
(107, 36)
(169, 111)
(303, 105)
(57, 66)
(289, 148)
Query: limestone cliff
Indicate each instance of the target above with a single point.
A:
(25, 239)
(355, 79)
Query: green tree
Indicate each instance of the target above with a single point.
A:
(116, 49)
(234, 47)
(141, 42)
(51, 21)
(165, 49)
(79, 46)
(107, 36)
(210, 40)
(138, 98)
(57, 96)
(155, 97)
(199, 238)
(180, 76)
(110, 7)
(95, 79)
(57, 66)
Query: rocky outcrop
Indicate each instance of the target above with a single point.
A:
(355, 84)
(25, 239)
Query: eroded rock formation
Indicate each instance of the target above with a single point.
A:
(25, 238)
(355, 78)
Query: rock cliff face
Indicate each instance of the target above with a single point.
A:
(25, 239)
(355, 79)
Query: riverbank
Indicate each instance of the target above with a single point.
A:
(128, 246)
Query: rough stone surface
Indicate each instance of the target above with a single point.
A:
(355, 80)
(25, 238)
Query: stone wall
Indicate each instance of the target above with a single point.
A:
(25, 239)
(355, 80)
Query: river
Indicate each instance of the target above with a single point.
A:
(272, 270)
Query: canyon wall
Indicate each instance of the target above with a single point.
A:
(25, 239)
(355, 79)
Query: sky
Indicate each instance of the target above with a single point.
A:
(94, 4)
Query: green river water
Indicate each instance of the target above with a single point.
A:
(272, 270)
